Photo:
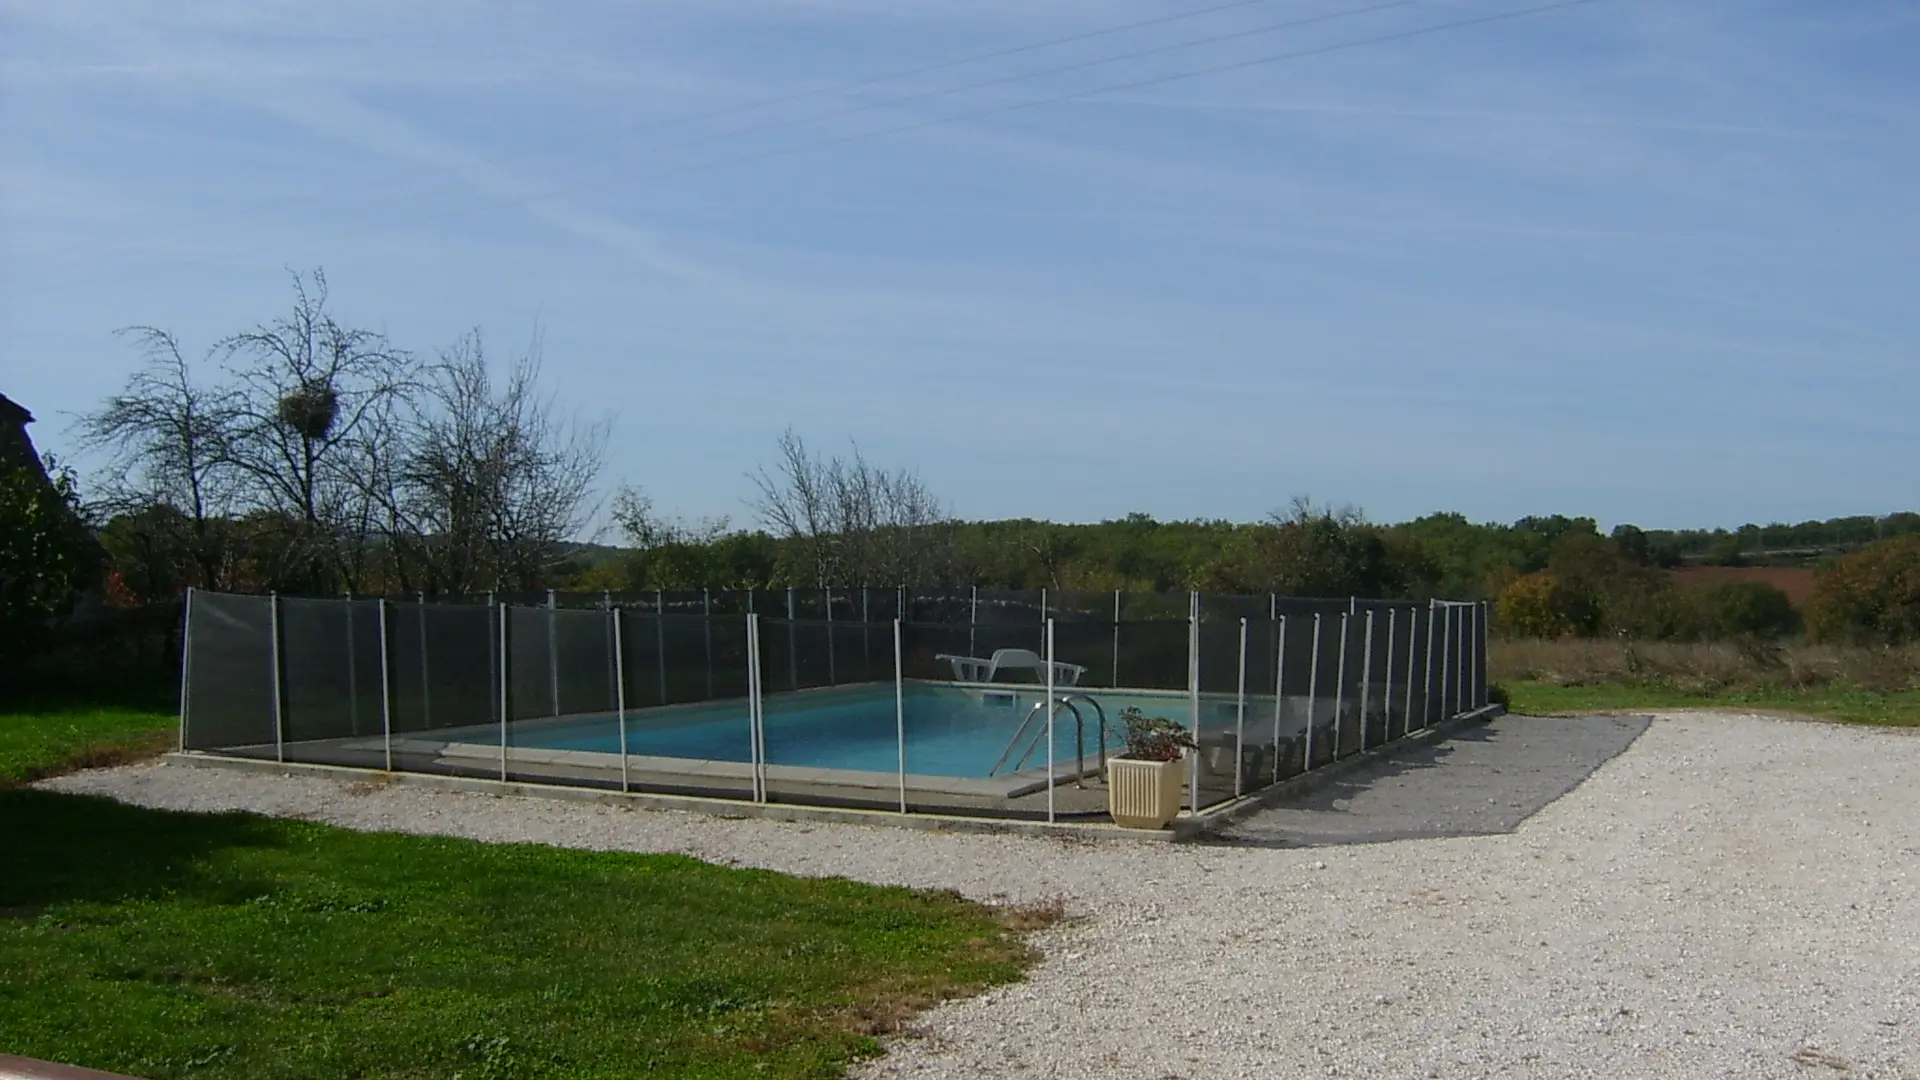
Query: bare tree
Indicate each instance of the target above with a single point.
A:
(168, 439)
(306, 390)
(851, 522)
(646, 530)
(493, 481)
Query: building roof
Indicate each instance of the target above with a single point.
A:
(12, 412)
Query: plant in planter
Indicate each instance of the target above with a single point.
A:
(1143, 782)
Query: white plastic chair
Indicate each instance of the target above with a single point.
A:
(976, 670)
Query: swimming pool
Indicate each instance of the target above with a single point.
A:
(950, 730)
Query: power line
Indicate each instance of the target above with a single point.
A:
(792, 96)
(1232, 35)
(1273, 58)
(377, 201)
(1156, 80)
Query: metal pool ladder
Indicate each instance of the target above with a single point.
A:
(1060, 701)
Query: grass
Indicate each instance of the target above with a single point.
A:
(210, 946)
(49, 736)
(1827, 703)
(1859, 685)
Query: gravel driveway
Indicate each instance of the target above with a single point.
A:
(1726, 896)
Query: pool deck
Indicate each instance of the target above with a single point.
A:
(1079, 810)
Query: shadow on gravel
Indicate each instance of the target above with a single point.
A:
(1483, 780)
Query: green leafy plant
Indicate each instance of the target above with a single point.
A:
(1153, 738)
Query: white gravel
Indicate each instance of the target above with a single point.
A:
(1734, 896)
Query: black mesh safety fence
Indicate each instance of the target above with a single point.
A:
(230, 685)
(332, 682)
(660, 690)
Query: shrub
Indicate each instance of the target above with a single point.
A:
(1870, 595)
(1745, 609)
(1539, 605)
(1153, 738)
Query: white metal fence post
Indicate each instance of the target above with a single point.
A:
(1340, 683)
(186, 663)
(827, 601)
(900, 709)
(756, 712)
(1240, 720)
(279, 716)
(616, 617)
(793, 646)
(506, 682)
(1279, 689)
(660, 638)
(553, 649)
(1413, 645)
(1426, 677)
(973, 622)
(1313, 692)
(386, 686)
(1459, 659)
(1052, 780)
(1193, 701)
(1366, 679)
(1386, 690)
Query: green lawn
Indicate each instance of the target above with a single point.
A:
(188, 945)
(1900, 709)
(47, 738)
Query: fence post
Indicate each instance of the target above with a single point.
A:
(866, 632)
(756, 734)
(1279, 690)
(386, 687)
(1193, 700)
(1053, 781)
(1482, 624)
(1313, 693)
(1340, 682)
(1386, 690)
(553, 650)
(186, 663)
(973, 622)
(793, 646)
(613, 664)
(619, 688)
(1366, 680)
(1413, 644)
(1240, 719)
(827, 595)
(279, 716)
(493, 654)
(706, 633)
(900, 710)
(1116, 640)
(506, 682)
(1435, 636)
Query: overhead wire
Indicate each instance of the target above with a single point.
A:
(999, 109)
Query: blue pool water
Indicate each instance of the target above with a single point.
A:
(950, 731)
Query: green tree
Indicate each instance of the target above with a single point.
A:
(1540, 605)
(1736, 609)
(1871, 595)
(47, 554)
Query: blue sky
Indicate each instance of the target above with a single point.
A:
(1645, 260)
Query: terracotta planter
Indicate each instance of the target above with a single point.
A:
(1144, 794)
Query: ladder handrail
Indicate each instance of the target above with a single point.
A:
(1060, 701)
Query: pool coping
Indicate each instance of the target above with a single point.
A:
(1187, 827)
